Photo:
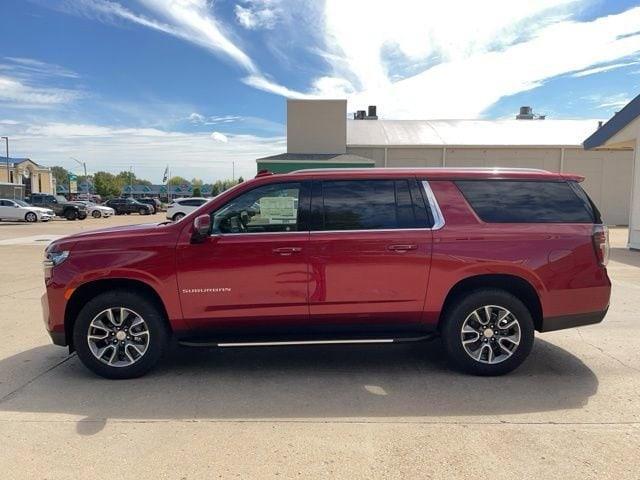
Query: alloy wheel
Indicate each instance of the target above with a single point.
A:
(118, 337)
(490, 334)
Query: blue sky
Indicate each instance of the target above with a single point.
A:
(199, 84)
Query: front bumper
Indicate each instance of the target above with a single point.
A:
(550, 324)
(54, 329)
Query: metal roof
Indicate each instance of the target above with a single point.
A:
(616, 123)
(437, 173)
(312, 157)
(440, 133)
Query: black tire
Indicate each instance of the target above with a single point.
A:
(96, 214)
(71, 215)
(158, 333)
(82, 216)
(31, 217)
(178, 216)
(143, 211)
(454, 319)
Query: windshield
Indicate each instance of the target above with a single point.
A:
(21, 203)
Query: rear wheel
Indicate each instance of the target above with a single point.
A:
(178, 216)
(488, 332)
(120, 334)
(31, 217)
(71, 215)
(96, 214)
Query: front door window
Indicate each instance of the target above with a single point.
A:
(267, 209)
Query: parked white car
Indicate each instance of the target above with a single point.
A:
(97, 211)
(183, 206)
(18, 210)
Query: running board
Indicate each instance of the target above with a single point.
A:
(227, 344)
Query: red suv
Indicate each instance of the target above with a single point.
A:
(479, 257)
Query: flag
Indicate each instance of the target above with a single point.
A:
(166, 175)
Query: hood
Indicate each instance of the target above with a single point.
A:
(114, 237)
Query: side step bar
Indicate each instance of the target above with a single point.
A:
(229, 344)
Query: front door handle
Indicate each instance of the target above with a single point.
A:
(286, 251)
(402, 248)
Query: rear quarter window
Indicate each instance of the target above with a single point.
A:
(506, 201)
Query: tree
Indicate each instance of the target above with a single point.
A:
(197, 192)
(177, 181)
(61, 175)
(106, 184)
(240, 179)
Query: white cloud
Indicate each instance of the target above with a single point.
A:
(257, 14)
(21, 66)
(219, 137)
(14, 92)
(196, 118)
(602, 69)
(148, 150)
(483, 57)
(262, 83)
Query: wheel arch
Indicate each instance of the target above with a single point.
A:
(517, 286)
(89, 290)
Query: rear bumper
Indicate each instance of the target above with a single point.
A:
(551, 324)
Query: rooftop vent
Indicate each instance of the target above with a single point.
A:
(369, 114)
(526, 113)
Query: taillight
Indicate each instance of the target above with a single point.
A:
(601, 243)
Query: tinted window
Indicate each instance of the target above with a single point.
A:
(525, 202)
(271, 208)
(371, 205)
(192, 203)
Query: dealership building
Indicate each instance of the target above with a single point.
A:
(320, 135)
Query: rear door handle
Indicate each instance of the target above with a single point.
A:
(402, 248)
(286, 251)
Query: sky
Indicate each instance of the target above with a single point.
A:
(200, 85)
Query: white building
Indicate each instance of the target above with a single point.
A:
(319, 134)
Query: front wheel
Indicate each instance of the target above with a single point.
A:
(96, 214)
(71, 215)
(31, 217)
(143, 211)
(488, 332)
(120, 334)
(178, 216)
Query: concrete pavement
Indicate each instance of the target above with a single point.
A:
(370, 411)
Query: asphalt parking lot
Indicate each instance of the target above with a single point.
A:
(571, 411)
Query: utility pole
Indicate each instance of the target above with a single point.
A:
(6, 139)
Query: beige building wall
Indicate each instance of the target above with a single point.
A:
(608, 173)
(608, 180)
(316, 126)
(41, 178)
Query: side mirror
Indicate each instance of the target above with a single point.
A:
(201, 228)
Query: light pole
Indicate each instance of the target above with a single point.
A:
(84, 165)
(6, 139)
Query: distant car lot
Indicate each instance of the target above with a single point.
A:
(389, 411)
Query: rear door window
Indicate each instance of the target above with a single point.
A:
(507, 201)
(369, 205)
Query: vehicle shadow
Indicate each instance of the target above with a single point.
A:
(404, 380)
(624, 255)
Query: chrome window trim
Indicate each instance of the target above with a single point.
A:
(438, 221)
(438, 218)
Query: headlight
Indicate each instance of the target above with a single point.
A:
(55, 258)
